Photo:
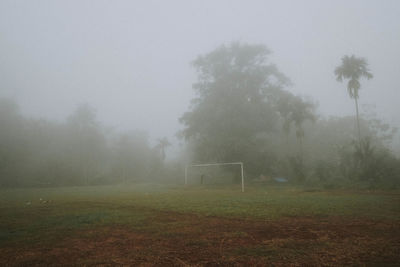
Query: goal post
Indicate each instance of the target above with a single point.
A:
(215, 164)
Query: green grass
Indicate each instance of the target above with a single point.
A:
(73, 208)
(271, 203)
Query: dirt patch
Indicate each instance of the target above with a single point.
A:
(175, 239)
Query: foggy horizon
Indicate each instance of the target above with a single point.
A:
(131, 61)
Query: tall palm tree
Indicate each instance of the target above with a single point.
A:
(353, 68)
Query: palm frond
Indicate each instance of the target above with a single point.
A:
(353, 68)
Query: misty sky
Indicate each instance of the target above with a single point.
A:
(130, 60)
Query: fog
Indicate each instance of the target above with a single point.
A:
(149, 72)
(130, 60)
(199, 133)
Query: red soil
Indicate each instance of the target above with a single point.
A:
(191, 240)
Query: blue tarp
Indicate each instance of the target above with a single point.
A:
(280, 180)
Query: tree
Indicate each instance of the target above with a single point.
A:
(86, 143)
(232, 116)
(83, 118)
(301, 112)
(163, 143)
(13, 152)
(353, 68)
(132, 156)
(284, 106)
(296, 110)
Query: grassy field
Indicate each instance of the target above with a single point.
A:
(166, 225)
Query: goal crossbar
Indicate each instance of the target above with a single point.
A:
(216, 164)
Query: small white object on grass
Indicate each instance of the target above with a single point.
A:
(42, 201)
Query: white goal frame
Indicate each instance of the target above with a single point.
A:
(215, 164)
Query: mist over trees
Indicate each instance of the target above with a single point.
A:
(353, 68)
(242, 111)
(79, 151)
(233, 114)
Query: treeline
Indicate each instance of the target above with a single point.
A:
(79, 151)
(333, 157)
(243, 112)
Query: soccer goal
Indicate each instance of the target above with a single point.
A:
(187, 168)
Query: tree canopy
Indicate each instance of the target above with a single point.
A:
(233, 114)
(353, 68)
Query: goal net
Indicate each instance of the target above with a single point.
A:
(203, 174)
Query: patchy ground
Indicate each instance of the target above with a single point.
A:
(181, 239)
